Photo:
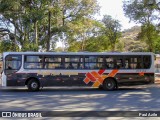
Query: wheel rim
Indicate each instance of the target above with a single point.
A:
(110, 85)
(34, 85)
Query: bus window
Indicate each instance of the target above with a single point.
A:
(53, 62)
(74, 62)
(147, 61)
(33, 62)
(108, 62)
(12, 63)
(127, 64)
(119, 63)
(133, 62)
(114, 62)
(93, 62)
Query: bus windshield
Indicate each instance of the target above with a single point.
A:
(12, 63)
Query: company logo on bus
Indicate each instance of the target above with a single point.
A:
(97, 77)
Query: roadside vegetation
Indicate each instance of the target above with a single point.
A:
(37, 25)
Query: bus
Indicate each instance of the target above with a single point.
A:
(107, 70)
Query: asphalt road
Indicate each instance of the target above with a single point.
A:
(131, 98)
(135, 98)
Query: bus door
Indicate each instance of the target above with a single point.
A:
(12, 64)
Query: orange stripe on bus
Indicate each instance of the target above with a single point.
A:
(96, 75)
(101, 71)
(91, 77)
(113, 73)
(86, 80)
(96, 84)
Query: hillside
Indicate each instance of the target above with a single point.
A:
(131, 34)
(130, 40)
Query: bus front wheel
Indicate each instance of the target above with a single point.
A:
(33, 85)
(109, 84)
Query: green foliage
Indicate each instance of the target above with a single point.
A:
(93, 44)
(29, 47)
(81, 30)
(145, 13)
(157, 44)
(137, 46)
(149, 34)
(139, 11)
(37, 22)
(75, 46)
(120, 46)
(98, 44)
(111, 30)
(7, 45)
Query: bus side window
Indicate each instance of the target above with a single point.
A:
(9, 67)
(127, 64)
(105, 65)
(146, 61)
(146, 65)
(79, 66)
(120, 63)
(139, 65)
(111, 64)
(70, 66)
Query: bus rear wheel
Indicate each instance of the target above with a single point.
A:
(33, 85)
(109, 84)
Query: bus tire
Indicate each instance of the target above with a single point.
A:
(109, 84)
(33, 85)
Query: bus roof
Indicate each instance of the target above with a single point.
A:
(79, 53)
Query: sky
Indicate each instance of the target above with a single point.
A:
(115, 9)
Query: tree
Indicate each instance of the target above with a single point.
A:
(136, 46)
(157, 45)
(65, 13)
(111, 30)
(139, 11)
(156, 4)
(149, 34)
(7, 45)
(22, 16)
(82, 30)
(142, 12)
(34, 23)
(6, 8)
(98, 44)
(92, 44)
(77, 21)
(120, 46)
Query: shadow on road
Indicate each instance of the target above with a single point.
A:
(70, 90)
(125, 99)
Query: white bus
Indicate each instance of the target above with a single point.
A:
(107, 70)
